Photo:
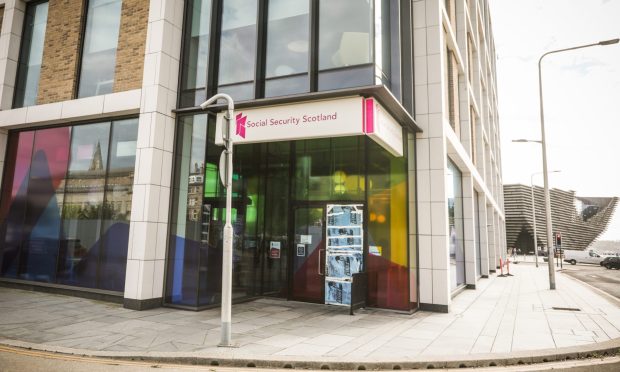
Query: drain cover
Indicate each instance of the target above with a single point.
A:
(566, 308)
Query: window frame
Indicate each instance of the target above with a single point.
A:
(260, 80)
(30, 4)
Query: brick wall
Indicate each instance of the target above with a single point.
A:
(61, 51)
(131, 45)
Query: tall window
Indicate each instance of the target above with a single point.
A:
(196, 53)
(452, 81)
(100, 42)
(31, 54)
(66, 202)
(345, 39)
(455, 222)
(238, 48)
(288, 38)
(253, 49)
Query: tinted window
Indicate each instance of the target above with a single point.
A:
(238, 48)
(99, 54)
(31, 55)
(196, 52)
(345, 33)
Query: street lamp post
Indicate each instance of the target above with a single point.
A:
(228, 230)
(544, 153)
(534, 212)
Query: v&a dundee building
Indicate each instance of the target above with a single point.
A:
(366, 141)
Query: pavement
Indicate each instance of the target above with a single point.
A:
(510, 320)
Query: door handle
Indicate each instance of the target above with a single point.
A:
(319, 267)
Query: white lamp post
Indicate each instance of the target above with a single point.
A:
(228, 230)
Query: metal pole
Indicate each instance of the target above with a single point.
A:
(534, 218)
(544, 154)
(546, 181)
(227, 250)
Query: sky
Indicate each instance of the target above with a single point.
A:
(581, 94)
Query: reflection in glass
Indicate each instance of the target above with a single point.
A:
(347, 78)
(14, 199)
(330, 169)
(388, 264)
(117, 205)
(65, 192)
(455, 222)
(31, 55)
(41, 228)
(238, 45)
(187, 241)
(83, 204)
(99, 53)
(287, 85)
(287, 46)
(345, 33)
(196, 52)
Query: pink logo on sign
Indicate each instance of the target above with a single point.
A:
(241, 124)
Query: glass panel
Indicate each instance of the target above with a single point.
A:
(287, 85)
(275, 220)
(309, 256)
(99, 53)
(189, 236)
(14, 199)
(346, 78)
(330, 169)
(345, 33)
(117, 205)
(50, 159)
(31, 55)
(388, 269)
(82, 207)
(455, 221)
(477, 232)
(288, 35)
(196, 52)
(239, 92)
(238, 42)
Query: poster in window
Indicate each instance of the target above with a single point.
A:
(338, 292)
(344, 250)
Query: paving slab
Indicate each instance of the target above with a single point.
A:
(511, 317)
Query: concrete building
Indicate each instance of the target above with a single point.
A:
(580, 220)
(367, 140)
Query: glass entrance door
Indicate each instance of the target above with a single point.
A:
(308, 253)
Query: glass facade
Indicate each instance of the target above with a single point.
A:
(100, 43)
(283, 47)
(280, 194)
(31, 54)
(65, 204)
(455, 223)
(288, 41)
(238, 48)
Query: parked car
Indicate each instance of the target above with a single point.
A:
(611, 262)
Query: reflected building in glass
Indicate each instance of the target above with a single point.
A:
(366, 151)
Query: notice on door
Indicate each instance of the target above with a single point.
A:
(274, 250)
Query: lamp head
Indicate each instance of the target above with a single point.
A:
(609, 42)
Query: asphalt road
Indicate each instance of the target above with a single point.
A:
(18, 360)
(597, 276)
